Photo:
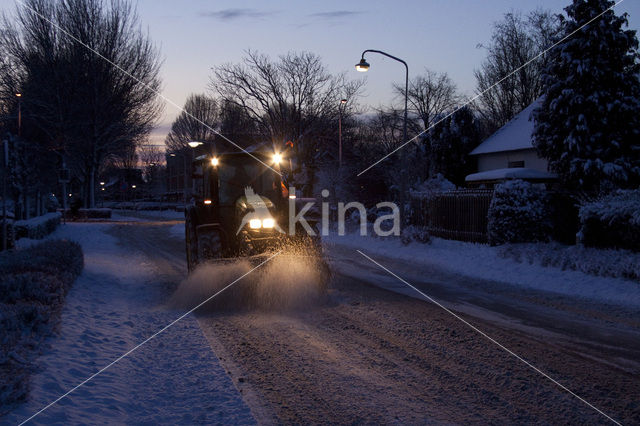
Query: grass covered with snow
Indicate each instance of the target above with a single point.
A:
(492, 263)
(33, 287)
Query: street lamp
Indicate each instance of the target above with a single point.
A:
(342, 105)
(363, 66)
(194, 144)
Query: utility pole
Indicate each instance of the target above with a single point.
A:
(5, 169)
(340, 107)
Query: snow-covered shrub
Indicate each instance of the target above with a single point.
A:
(518, 213)
(33, 283)
(612, 221)
(38, 227)
(40, 273)
(415, 233)
(432, 186)
(593, 261)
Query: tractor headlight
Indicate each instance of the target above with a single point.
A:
(268, 223)
(255, 223)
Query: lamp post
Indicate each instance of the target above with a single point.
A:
(5, 167)
(19, 96)
(343, 102)
(363, 66)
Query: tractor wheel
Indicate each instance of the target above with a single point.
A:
(191, 240)
(246, 246)
(209, 245)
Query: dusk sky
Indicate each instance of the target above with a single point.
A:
(442, 35)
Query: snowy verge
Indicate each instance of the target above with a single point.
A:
(34, 284)
(613, 263)
(138, 215)
(116, 303)
(485, 262)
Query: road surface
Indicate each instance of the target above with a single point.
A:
(369, 355)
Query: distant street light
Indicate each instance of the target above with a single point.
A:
(133, 186)
(363, 66)
(341, 107)
(194, 144)
(102, 183)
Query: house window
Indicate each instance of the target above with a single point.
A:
(516, 164)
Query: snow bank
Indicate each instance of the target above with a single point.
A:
(485, 262)
(141, 215)
(38, 227)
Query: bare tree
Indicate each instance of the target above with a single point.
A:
(197, 122)
(430, 95)
(79, 102)
(151, 160)
(293, 98)
(516, 40)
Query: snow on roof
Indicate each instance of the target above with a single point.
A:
(514, 135)
(510, 173)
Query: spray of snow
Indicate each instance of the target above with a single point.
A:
(286, 282)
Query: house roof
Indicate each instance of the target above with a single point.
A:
(513, 136)
(510, 173)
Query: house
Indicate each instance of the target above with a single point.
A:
(509, 153)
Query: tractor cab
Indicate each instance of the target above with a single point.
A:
(238, 206)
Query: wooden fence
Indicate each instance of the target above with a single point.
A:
(455, 215)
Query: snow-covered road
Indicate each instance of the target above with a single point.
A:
(115, 304)
(367, 355)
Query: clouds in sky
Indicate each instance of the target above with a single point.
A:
(334, 14)
(235, 14)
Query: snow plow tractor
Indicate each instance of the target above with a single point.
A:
(240, 209)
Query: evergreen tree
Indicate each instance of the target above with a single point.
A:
(449, 144)
(588, 124)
